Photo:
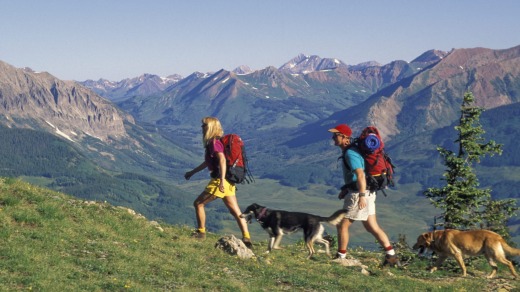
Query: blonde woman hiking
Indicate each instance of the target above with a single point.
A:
(218, 186)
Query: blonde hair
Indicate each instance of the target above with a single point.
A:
(214, 129)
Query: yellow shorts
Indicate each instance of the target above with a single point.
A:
(212, 188)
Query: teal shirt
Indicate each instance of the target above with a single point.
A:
(354, 161)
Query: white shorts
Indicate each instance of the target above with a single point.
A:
(350, 203)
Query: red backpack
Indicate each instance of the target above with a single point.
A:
(236, 159)
(379, 169)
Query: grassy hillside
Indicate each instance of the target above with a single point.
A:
(49, 161)
(52, 242)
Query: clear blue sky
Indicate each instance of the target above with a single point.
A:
(117, 39)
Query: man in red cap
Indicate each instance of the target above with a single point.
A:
(358, 200)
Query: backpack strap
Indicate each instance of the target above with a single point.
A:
(342, 157)
(216, 172)
(249, 176)
(352, 185)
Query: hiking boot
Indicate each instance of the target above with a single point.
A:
(247, 242)
(339, 258)
(198, 235)
(392, 261)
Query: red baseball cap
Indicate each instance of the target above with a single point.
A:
(342, 129)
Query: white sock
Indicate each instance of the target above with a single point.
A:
(342, 255)
(391, 252)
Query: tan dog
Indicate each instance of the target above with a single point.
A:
(457, 243)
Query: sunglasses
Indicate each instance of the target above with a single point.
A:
(204, 125)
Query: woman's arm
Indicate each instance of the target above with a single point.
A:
(190, 173)
(223, 169)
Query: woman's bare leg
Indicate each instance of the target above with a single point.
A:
(202, 200)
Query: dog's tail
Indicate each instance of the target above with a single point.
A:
(335, 218)
(510, 250)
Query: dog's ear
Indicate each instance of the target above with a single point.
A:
(421, 238)
(428, 237)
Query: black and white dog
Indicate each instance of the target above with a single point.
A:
(277, 223)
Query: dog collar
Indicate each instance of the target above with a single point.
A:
(262, 214)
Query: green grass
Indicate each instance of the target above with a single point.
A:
(53, 242)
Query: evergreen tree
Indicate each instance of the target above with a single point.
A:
(464, 205)
(496, 215)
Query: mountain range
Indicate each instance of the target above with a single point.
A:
(147, 129)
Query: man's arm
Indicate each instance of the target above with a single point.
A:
(362, 187)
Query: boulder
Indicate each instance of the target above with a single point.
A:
(234, 246)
